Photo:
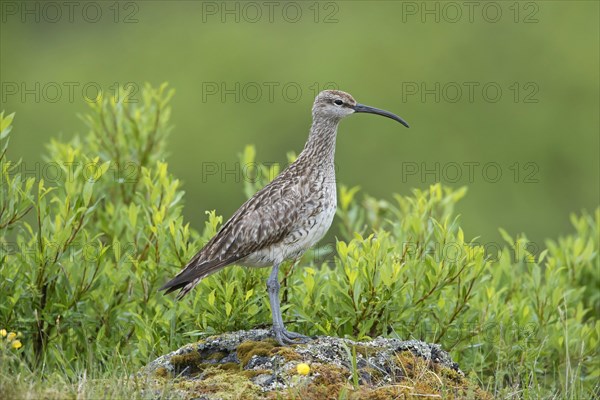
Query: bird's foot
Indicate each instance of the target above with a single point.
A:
(285, 337)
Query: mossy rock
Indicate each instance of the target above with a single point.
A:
(251, 348)
(251, 365)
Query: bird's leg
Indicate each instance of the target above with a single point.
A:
(282, 335)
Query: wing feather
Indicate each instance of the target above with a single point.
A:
(266, 218)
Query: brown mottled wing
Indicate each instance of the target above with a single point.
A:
(264, 219)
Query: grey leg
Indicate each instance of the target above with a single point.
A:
(273, 290)
(281, 334)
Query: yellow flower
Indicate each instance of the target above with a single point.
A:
(16, 344)
(2, 332)
(11, 336)
(303, 369)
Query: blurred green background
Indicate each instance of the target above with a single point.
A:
(417, 59)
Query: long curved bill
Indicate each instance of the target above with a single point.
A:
(361, 108)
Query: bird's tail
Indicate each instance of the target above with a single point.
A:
(191, 275)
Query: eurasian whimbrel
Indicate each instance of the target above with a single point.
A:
(285, 218)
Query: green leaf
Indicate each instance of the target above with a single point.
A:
(5, 124)
(87, 192)
(132, 214)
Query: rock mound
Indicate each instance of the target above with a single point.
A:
(251, 365)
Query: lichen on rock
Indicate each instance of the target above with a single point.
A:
(251, 365)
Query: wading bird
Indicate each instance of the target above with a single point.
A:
(285, 218)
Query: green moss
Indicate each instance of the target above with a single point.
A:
(313, 392)
(251, 373)
(249, 349)
(216, 356)
(190, 361)
(450, 374)
(161, 372)
(195, 362)
(382, 393)
(422, 377)
(185, 359)
(211, 369)
(220, 384)
(230, 366)
(287, 353)
(329, 374)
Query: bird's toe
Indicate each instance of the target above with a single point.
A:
(297, 337)
(285, 337)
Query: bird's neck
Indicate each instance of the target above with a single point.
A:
(320, 146)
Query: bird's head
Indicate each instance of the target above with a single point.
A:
(335, 104)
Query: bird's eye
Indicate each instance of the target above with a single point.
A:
(338, 102)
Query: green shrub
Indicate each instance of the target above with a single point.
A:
(83, 255)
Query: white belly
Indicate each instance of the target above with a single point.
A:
(302, 238)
